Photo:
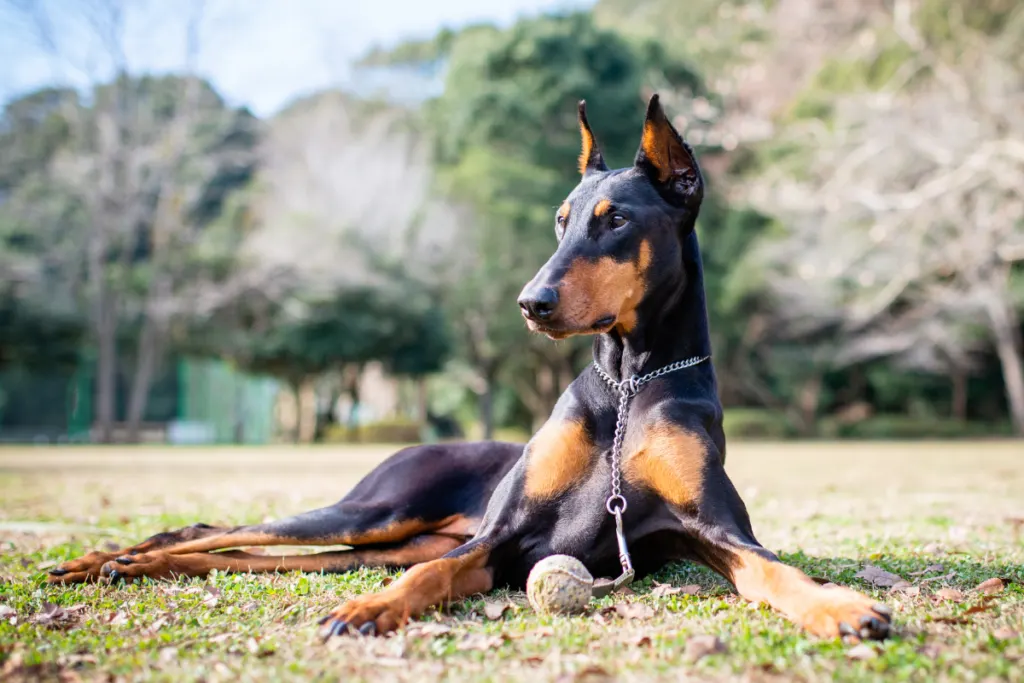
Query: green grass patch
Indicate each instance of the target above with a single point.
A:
(944, 518)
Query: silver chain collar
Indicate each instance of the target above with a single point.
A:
(616, 503)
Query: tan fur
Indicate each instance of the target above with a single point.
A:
(587, 148)
(602, 207)
(557, 456)
(592, 290)
(819, 610)
(663, 149)
(670, 461)
(424, 585)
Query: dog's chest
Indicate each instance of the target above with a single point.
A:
(576, 521)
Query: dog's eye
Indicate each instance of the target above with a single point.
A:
(559, 226)
(618, 220)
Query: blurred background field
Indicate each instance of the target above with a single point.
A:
(252, 222)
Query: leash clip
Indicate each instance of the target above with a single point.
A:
(603, 587)
(624, 559)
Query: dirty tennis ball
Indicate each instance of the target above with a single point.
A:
(559, 584)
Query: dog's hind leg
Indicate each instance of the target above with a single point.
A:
(351, 524)
(87, 567)
(163, 565)
(436, 489)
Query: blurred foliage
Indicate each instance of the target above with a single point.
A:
(502, 141)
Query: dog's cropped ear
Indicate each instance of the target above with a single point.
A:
(590, 156)
(667, 160)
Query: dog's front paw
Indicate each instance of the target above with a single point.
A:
(368, 615)
(841, 612)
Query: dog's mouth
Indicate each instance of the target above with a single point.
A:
(559, 332)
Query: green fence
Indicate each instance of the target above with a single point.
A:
(198, 401)
(232, 407)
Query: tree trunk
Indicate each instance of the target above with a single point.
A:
(1006, 329)
(487, 405)
(142, 380)
(810, 394)
(295, 384)
(421, 400)
(307, 410)
(106, 367)
(959, 400)
(351, 375)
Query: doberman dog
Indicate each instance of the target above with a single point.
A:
(468, 517)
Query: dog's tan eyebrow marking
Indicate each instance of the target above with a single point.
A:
(564, 209)
(603, 207)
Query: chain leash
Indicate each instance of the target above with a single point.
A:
(616, 503)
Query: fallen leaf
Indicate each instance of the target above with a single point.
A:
(642, 641)
(590, 674)
(543, 632)
(951, 620)
(698, 647)
(949, 594)
(930, 650)
(6, 611)
(624, 590)
(662, 590)
(941, 577)
(928, 570)
(906, 588)
(157, 625)
(168, 654)
(430, 629)
(983, 606)
(1004, 633)
(481, 643)
(878, 576)
(992, 586)
(54, 615)
(861, 652)
(633, 610)
(118, 618)
(533, 660)
(495, 610)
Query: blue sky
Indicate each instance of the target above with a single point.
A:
(261, 53)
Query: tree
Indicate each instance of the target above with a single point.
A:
(506, 143)
(906, 220)
(337, 243)
(149, 160)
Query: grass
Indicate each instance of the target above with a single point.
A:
(828, 508)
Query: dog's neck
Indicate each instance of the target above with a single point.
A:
(672, 325)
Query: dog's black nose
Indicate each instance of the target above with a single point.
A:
(539, 304)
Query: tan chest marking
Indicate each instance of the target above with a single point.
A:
(670, 461)
(558, 456)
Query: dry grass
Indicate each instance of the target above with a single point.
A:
(830, 508)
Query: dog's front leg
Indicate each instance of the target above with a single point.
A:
(461, 573)
(725, 542)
